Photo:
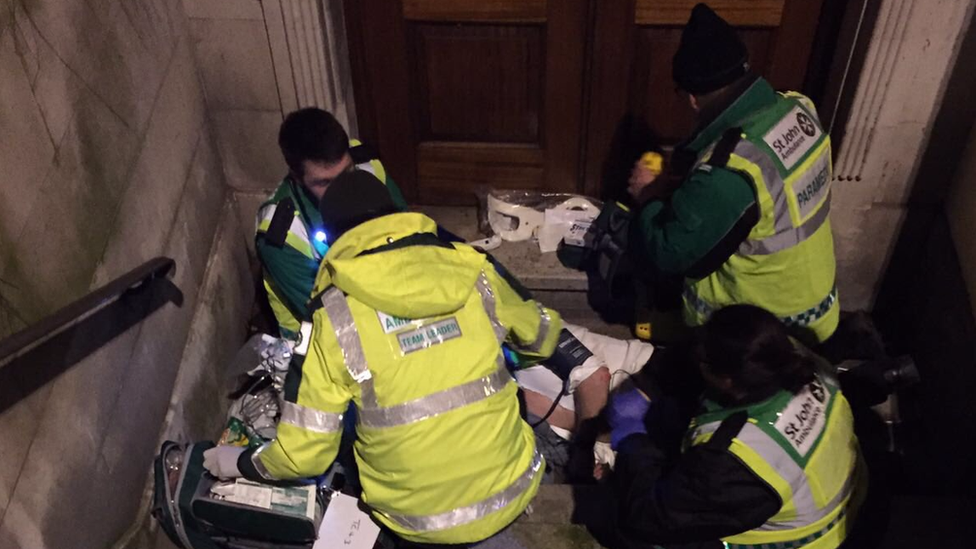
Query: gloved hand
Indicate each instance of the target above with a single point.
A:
(626, 415)
(221, 461)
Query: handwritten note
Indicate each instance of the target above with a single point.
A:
(345, 526)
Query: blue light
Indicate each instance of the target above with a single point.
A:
(320, 236)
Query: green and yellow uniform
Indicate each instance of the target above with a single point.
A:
(750, 224)
(287, 246)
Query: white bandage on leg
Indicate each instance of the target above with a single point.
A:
(618, 355)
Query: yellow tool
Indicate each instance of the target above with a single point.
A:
(652, 161)
(643, 331)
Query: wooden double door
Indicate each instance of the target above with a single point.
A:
(551, 95)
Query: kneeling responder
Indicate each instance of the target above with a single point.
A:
(750, 221)
(289, 240)
(410, 329)
(771, 459)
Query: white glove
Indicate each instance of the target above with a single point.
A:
(221, 461)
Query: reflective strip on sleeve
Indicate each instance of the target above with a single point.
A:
(304, 338)
(310, 419)
(489, 304)
(437, 403)
(544, 321)
(337, 309)
(475, 511)
(258, 465)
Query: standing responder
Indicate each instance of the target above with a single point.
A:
(750, 221)
(409, 328)
(290, 239)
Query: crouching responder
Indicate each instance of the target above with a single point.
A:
(410, 329)
(290, 240)
(771, 460)
(750, 222)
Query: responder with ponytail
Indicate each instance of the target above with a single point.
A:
(770, 459)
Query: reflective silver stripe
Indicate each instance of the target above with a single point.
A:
(774, 454)
(544, 321)
(300, 231)
(488, 302)
(784, 465)
(337, 309)
(789, 238)
(367, 167)
(310, 419)
(437, 403)
(794, 544)
(475, 511)
(256, 462)
(771, 179)
(266, 213)
(304, 337)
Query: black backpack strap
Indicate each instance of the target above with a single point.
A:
(280, 223)
(728, 430)
(363, 153)
(723, 149)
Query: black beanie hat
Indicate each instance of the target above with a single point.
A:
(353, 198)
(711, 55)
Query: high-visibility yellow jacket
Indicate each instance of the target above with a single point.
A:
(410, 329)
(804, 447)
(786, 264)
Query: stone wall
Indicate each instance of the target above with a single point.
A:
(259, 61)
(108, 160)
(913, 47)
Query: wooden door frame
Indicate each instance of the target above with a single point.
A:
(836, 47)
(371, 104)
(396, 137)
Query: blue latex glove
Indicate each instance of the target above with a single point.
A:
(626, 415)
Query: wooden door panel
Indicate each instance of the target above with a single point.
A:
(633, 50)
(489, 93)
(479, 82)
(458, 94)
(441, 165)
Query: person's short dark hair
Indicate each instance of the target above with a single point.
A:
(753, 348)
(311, 134)
(351, 199)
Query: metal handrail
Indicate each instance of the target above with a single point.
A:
(34, 335)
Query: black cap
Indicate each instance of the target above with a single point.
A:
(711, 55)
(353, 198)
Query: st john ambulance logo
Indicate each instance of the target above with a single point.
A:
(793, 136)
(806, 125)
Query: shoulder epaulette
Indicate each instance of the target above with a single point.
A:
(280, 223)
